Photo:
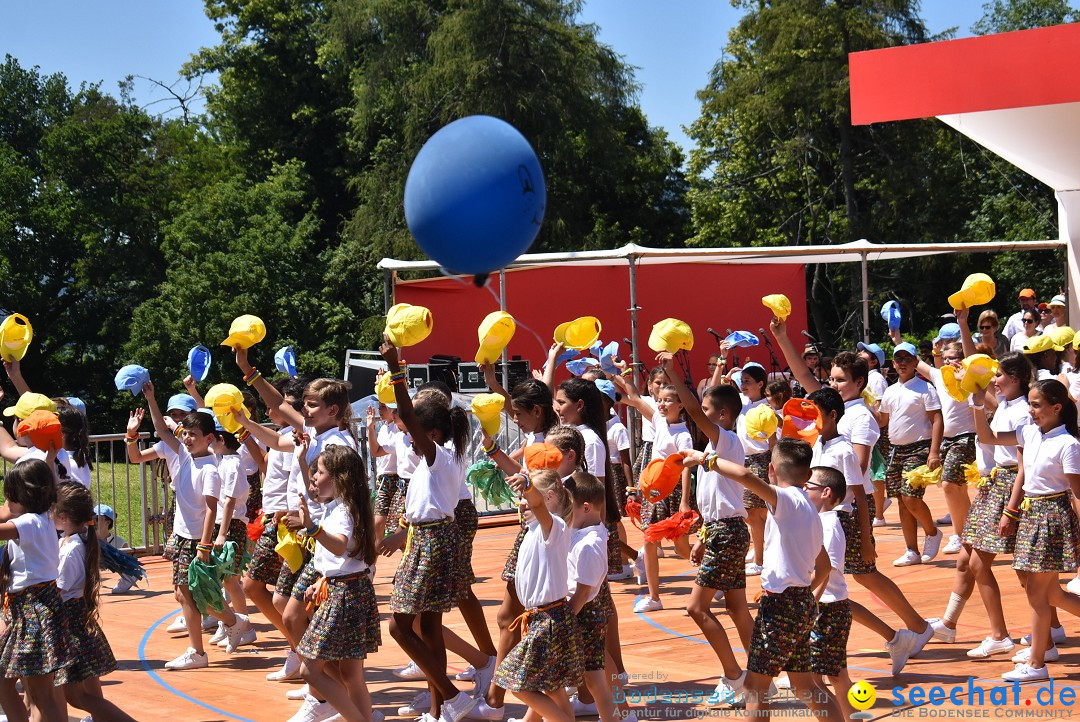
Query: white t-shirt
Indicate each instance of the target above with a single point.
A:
(750, 446)
(330, 437)
(71, 577)
(338, 521)
(647, 432)
(908, 406)
(407, 459)
(542, 572)
(618, 440)
(35, 555)
(957, 414)
(234, 484)
(719, 497)
(1043, 374)
(877, 383)
(75, 472)
(859, 427)
(588, 559)
(433, 490)
(1014, 327)
(1016, 343)
(532, 437)
(595, 452)
(1010, 416)
(789, 557)
(384, 437)
(203, 481)
(668, 438)
(1047, 459)
(838, 454)
(177, 462)
(1074, 384)
(275, 490)
(835, 545)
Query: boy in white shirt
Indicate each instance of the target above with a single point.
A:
(912, 411)
(793, 564)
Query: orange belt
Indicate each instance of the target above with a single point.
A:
(9, 595)
(322, 591)
(523, 618)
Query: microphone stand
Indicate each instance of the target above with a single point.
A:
(774, 361)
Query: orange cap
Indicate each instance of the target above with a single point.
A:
(660, 478)
(1027, 293)
(802, 420)
(43, 428)
(542, 456)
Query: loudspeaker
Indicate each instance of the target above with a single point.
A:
(361, 373)
(512, 373)
(418, 375)
(444, 368)
(471, 379)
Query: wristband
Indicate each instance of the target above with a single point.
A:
(1011, 513)
(397, 376)
(313, 532)
(978, 408)
(253, 378)
(936, 353)
(528, 482)
(204, 547)
(493, 449)
(395, 382)
(402, 524)
(626, 372)
(131, 442)
(243, 436)
(178, 430)
(710, 462)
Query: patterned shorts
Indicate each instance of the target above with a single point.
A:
(426, 579)
(591, 633)
(853, 533)
(37, 640)
(237, 533)
(184, 553)
(92, 655)
(308, 575)
(652, 512)
(1047, 534)
(956, 453)
(254, 500)
(346, 625)
(386, 488)
(265, 565)
(828, 638)
(643, 458)
(883, 447)
(287, 578)
(981, 526)
(781, 639)
(467, 521)
(614, 548)
(510, 568)
(619, 481)
(548, 656)
(397, 506)
(723, 566)
(905, 458)
(758, 464)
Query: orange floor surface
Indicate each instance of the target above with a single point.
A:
(672, 666)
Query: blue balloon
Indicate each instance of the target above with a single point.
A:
(475, 195)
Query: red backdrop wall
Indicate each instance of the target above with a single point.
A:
(718, 295)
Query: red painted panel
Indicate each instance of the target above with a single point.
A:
(1009, 70)
(703, 295)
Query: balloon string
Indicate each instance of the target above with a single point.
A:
(498, 300)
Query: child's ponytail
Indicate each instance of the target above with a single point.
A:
(74, 501)
(459, 431)
(76, 435)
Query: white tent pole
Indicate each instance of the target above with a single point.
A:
(865, 303)
(502, 307)
(635, 434)
(1069, 230)
(388, 288)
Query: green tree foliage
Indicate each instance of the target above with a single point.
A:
(1003, 16)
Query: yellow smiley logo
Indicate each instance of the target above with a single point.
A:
(862, 695)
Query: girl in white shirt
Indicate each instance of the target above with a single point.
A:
(548, 657)
(76, 442)
(35, 645)
(230, 522)
(345, 628)
(78, 579)
(381, 446)
(752, 385)
(1040, 513)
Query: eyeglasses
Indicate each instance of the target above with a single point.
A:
(710, 366)
(813, 485)
(953, 360)
(1044, 311)
(986, 328)
(1028, 320)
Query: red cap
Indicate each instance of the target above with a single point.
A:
(43, 428)
(1027, 293)
(542, 456)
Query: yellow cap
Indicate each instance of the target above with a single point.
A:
(28, 403)
(979, 370)
(581, 333)
(978, 289)
(289, 548)
(408, 325)
(224, 400)
(16, 333)
(671, 335)
(952, 385)
(779, 304)
(245, 332)
(385, 391)
(494, 334)
(1038, 344)
(761, 422)
(1062, 335)
(488, 410)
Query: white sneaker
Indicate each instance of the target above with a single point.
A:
(313, 711)
(907, 559)
(208, 623)
(410, 671)
(991, 646)
(376, 716)
(484, 675)
(1057, 636)
(727, 690)
(1022, 657)
(289, 670)
(782, 682)
(660, 553)
(626, 572)
(1073, 587)
(299, 693)
(647, 604)
(236, 633)
(639, 567)
(885, 506)
(944, 521)
(419, 706)
(900, 649)
(1024, 673)
(749, 558)
(247, 637)
(931, 546)
(582, 709)
(189, 660)
(466, 676)
(921, 638)
(879, 522)
(454, 710)
(122, 586)
(753, 570)
(946, 635)
(954, 546)
(178, 625)
(220, 635)
(483, 712)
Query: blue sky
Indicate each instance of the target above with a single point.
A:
(672, 44)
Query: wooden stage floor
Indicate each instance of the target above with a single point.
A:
(664, 651)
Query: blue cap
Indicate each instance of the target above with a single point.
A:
(748, 364)
(736, 378)
(132, 378)
(742, 339)
(596, 348)
(564, 356)
(198, 361)
(105, 510)
(873, 348)
(606, 388)
(183, 402)
(948, 331)
(77, 403)
(579, 366)
(608, 354)
(890, 312)
(285, 360)
(905, 346)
